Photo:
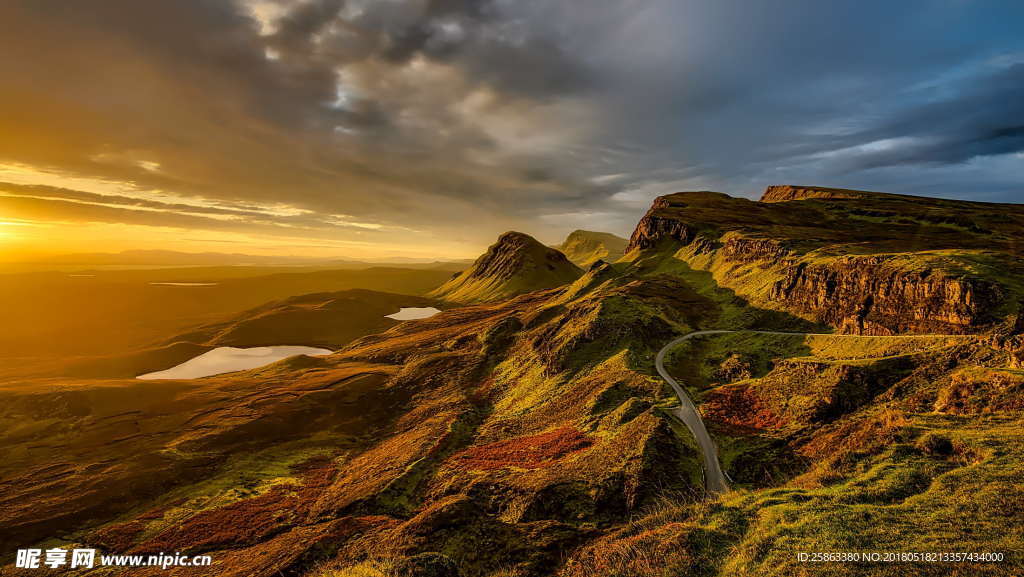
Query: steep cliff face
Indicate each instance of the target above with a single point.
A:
(864, 295)
(754, 249)
(873, 263)
(788, 192)
(654, 227)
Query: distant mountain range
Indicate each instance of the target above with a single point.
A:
(582, 247)
(176, 258)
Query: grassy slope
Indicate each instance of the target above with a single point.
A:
(514, 265)
(584, 247)
(534, 402)
(875, 479)
(535, 424)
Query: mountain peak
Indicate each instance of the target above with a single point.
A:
(517, 263)
(584, 247)
(514, 235)
(513, 240)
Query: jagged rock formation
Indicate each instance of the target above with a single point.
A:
(865, 296)
(514, 265)
(862, 262)
(654, 228)
(787, 192)
(584, 247)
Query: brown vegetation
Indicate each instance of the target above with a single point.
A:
(532, 452)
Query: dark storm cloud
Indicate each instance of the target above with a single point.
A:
(491, 42)
(297, 27)
(429, 114)
(985, 119)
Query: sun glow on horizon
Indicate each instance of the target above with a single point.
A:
(24, 242)
(32, 223)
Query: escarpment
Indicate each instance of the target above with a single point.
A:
(788, 192)
(860, 262)
(751, 249)
(864, 295)
(654, 227)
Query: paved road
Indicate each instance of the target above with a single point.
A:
(714, 478)
(715, 481)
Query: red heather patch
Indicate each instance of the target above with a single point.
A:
(121, 537)
(740, 407)
(250, 520)
(316, 472)
(532, 452)
(118, 538)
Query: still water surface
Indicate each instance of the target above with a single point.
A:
(229, 359)
(413, 313)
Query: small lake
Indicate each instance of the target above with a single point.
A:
(230, 359)
(413, 313)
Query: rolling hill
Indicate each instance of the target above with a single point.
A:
(530, 435)
(327, 320)
(584, 247)
(105, 312)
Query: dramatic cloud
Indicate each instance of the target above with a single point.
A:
(985, 119)
(443, 122)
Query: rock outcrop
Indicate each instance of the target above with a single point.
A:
(864, 295)
(654, 227)
(788, 192)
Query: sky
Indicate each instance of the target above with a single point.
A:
(425, 128)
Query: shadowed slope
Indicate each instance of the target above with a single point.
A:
(328, 320)
(320, 319)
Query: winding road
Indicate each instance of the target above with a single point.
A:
(715, 481)
(714, 478)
